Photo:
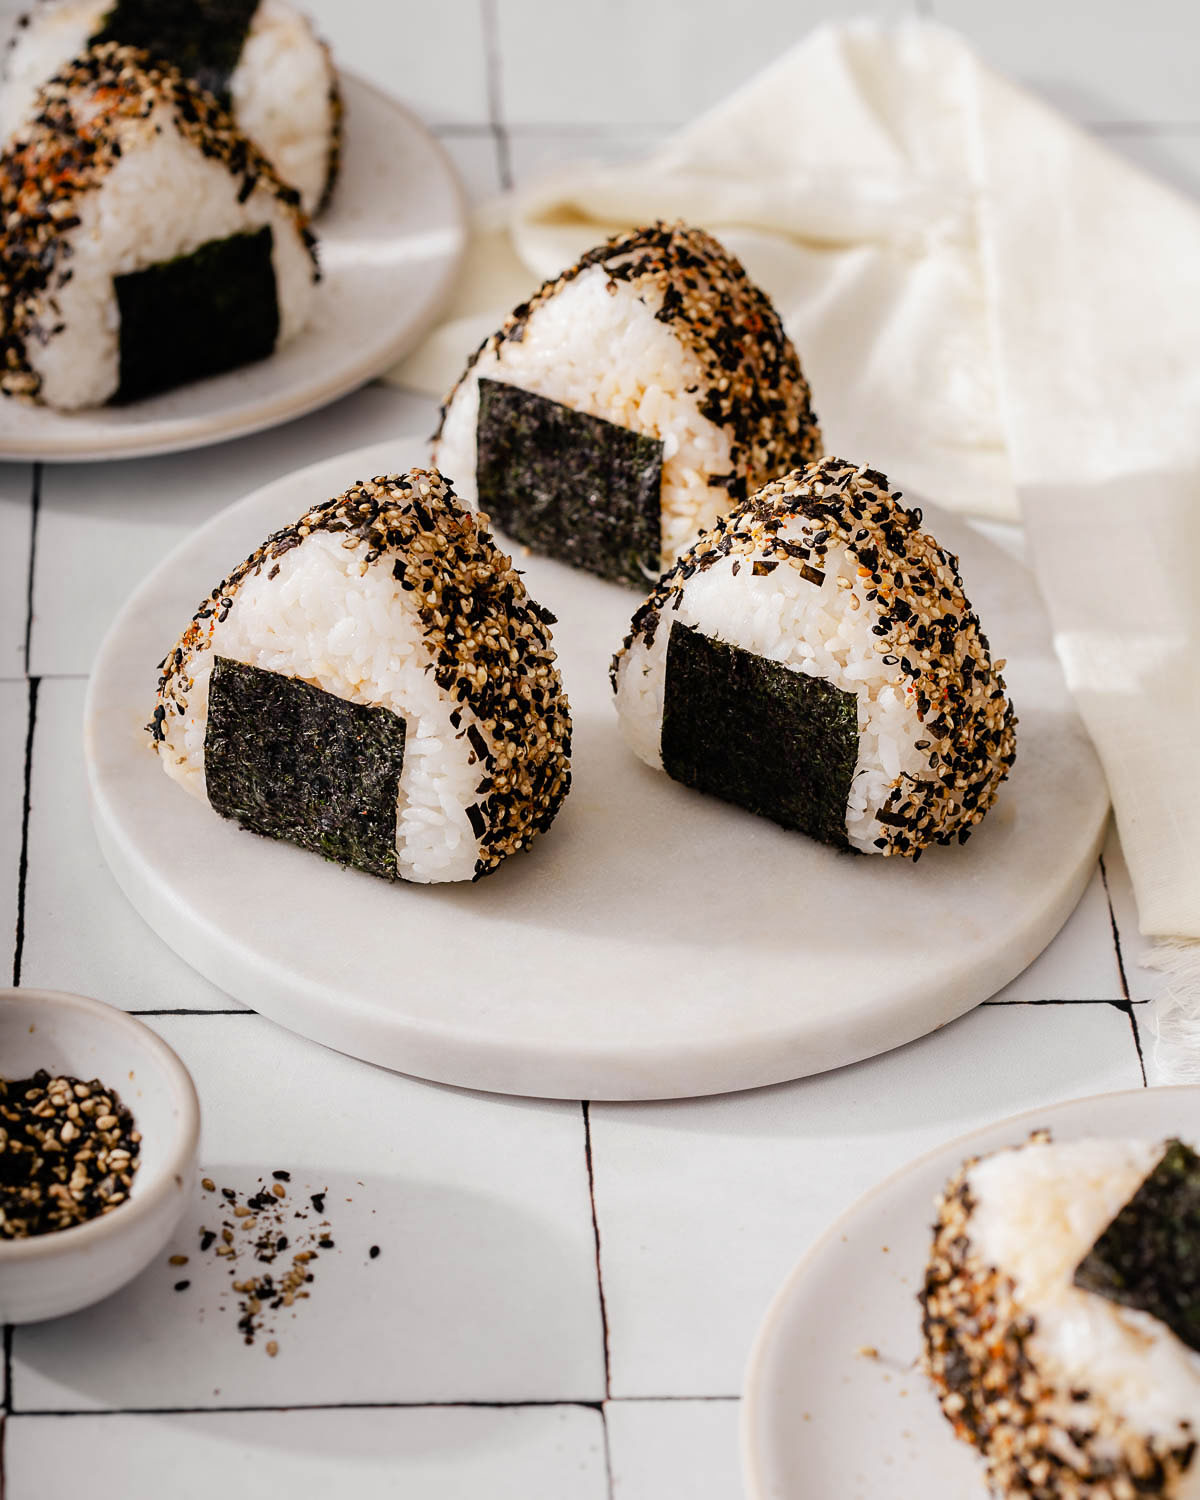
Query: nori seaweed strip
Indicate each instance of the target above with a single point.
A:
(570, 485)
(1149, 1256)
(197, 315)
(777, 742)
(202, 38)
(290, 761)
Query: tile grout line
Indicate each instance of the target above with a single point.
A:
(1129, 1003)
(6, 1410)
(52, 677)
(23, 864)
(170, 1411)
(198, 1010)
(591, 1176)
(491, 43)
(35, 508)
(1050, 1000)
(1116, 931)
(586, 1106)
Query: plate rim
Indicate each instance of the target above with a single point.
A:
(184, 433)
(754, 1376)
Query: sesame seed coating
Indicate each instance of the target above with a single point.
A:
(924, 625)
(87, 116)
(337, 133)
(488, 642)
(977, 1354)
(754, 387)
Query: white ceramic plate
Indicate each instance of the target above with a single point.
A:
(656, 943)
(820, 1416)
(390, 246)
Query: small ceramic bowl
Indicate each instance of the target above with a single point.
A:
(51, 1274)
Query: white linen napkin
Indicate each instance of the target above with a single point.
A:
(1000, 314)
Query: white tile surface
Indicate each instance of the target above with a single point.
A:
(535, 151)
(14, 698)
(101, 527)
(80, 932)
(667, 1448)
(1145, 986)
(422, 1454)
(1144, 1020)
(704, 1206)
(476, 156)
(1106, 61)
(1142, 983)
(432, 57)
(1081, 962)
(484, 1290)
(645, 64)
(16, 524)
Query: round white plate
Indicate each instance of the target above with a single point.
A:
(390, 246)
(655, 943)
(822, 1417)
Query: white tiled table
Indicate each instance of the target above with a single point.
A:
(566, 1293)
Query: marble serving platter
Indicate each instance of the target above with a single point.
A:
(656, 943)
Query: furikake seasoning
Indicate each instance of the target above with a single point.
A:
(269, 1242)
(1149, 1256)
(68, 1153)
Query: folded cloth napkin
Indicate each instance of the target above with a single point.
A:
(1001, 314)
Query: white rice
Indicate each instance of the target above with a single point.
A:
(328, 619)
(282, 98)
(816, 630)
(1038, 1211)
(280, 89)
(162, 199)
(597, 347)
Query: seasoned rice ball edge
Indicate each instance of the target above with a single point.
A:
(824, 573)
(1065, 1392)
(260, 58)
(128, 169)
(658, 332)
(393, 595)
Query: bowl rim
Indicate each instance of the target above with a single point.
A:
(165, 1180)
